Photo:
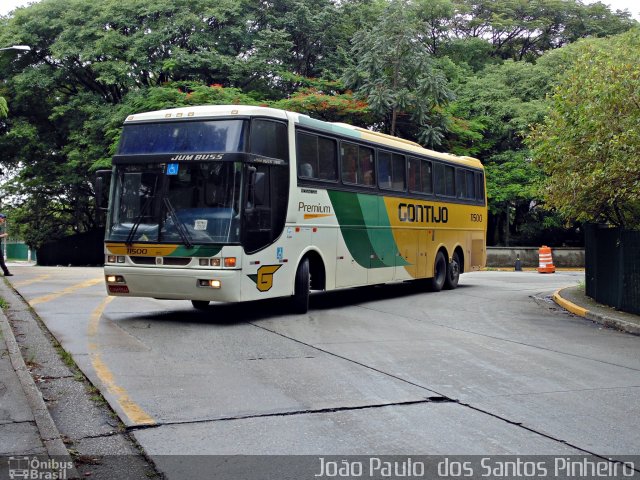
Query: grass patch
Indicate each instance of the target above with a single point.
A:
(66, 357)
(3, 303)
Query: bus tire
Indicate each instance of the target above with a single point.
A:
(439, 272)
(453, 272)
(200, 304)
(300, 299)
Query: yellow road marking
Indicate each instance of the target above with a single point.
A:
(135, 413)
(33, 280)
(66, 291)
(567, 305)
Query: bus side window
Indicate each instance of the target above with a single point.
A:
(327, 159)
(414, 175)
(480, 188)
(269, 139)
(307, 154)
(461, 187)
(471, 185)
(426, 175)
(349, 154)
(384, 169)
(399, 172)
(366, 167)
(439, 179)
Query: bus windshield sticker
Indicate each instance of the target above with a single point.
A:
(200, 225)
(172, 169)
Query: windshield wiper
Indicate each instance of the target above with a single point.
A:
(138, 220)
(182, 231)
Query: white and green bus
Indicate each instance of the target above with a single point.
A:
(238, 203)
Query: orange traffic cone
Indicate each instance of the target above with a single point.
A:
(546, 260)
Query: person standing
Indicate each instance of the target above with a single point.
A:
(3, 219)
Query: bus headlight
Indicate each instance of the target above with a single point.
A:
(210, 283)
(115, 279)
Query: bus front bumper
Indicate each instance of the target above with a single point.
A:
(174, 284)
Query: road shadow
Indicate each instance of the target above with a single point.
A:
(244, 312)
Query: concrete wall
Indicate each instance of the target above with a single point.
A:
(563, 257)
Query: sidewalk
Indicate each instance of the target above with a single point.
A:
(26, 426)
(56, 420)
(576, 301)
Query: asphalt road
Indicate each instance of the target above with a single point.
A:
(490, 368)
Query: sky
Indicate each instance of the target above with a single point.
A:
(632, 5)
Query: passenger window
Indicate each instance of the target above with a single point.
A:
(445, 180)
(426, 177)
(366, 167)
(391, 170)
(449, 178)
(349, 155)
(317, 157)
(414, 175)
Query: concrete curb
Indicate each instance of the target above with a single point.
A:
(593, 316)
(49, 433)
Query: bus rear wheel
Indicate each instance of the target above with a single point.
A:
(439, 272)
(300, 300)
(200, 304)
(453, 272)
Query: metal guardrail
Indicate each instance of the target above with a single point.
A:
(612, 266)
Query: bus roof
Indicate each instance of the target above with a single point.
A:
(208, 111)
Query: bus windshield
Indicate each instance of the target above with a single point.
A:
(183, 137)
(194, 203)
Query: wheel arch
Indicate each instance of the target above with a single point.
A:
(317, 268)
(460, 251)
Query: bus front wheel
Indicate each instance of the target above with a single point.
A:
(302, 286)
(200, 304)
(453, 272)
(439, 272)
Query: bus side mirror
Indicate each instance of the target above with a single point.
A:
(103, 183)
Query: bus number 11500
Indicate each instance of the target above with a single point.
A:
(476, 217)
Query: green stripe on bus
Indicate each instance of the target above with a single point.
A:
(337, 129)
(199, 251)
(365, 227)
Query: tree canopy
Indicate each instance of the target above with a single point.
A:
(466, 76)
(589, 142)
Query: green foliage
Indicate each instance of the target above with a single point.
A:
(523, 30)
(397, 76)
(326, 100)
(94, 63)
(589, 143)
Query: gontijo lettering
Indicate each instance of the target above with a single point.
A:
(408, 212)
(318, 208)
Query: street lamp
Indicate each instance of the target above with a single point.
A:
(17, 47)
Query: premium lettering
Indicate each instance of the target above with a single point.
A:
(308, 208)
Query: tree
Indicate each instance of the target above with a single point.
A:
(524, 30)
(589, 143)
(394, 71)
